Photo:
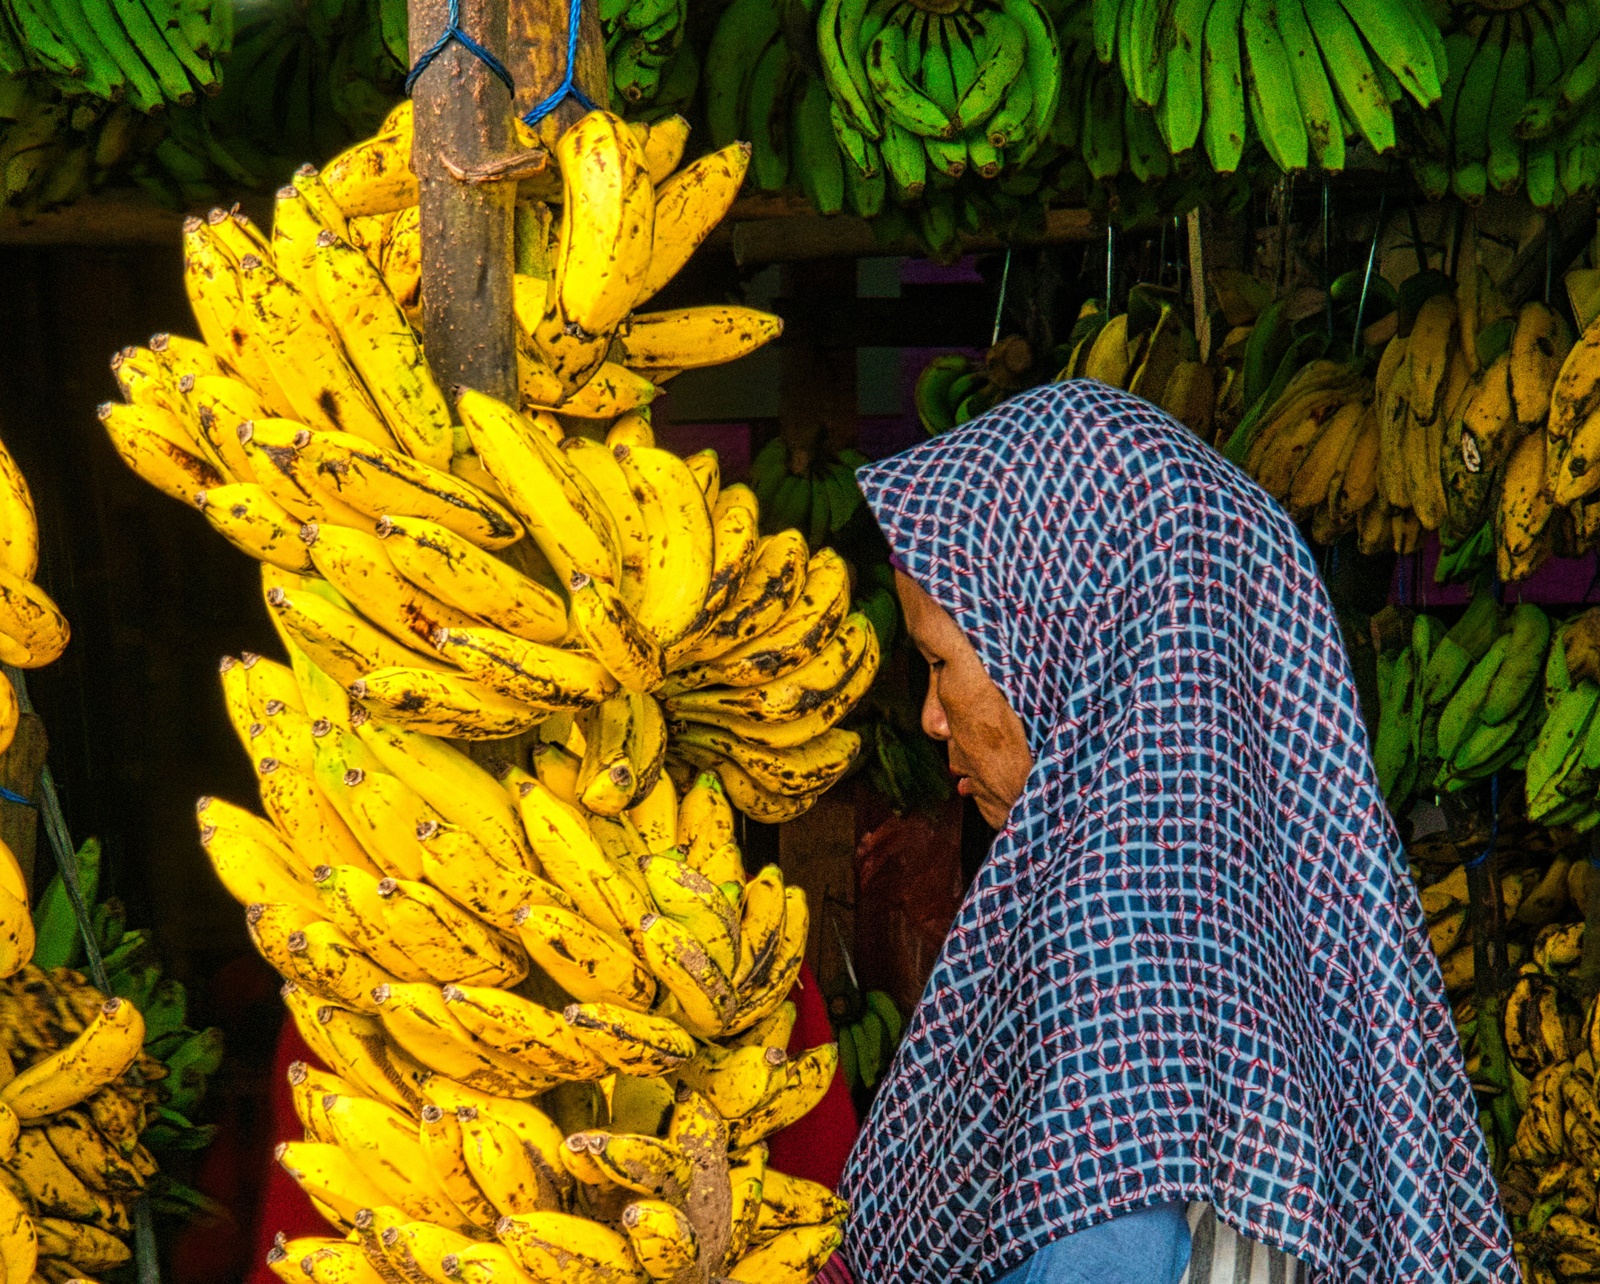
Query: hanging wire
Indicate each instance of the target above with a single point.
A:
(566, 89)
(1111, 247)
(1000, 303)
(1327, 260)
(1366, 279)
(454, 31)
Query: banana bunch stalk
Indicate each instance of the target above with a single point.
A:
(550, 1033)
(923, 94)
(473, 578)
(1150, 352)
(1300, 77)
(78, 1093)
(756, 88)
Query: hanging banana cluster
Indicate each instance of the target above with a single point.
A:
(1300, 78)
(757, 89)
(1151, 352)
(79, 1095)
(1516, 111)
(471, 580)
(553, 1037)
(33, 632)
(653, 69)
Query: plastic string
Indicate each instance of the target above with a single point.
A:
(566, 88)
(11, 796)
(1494, 823)
(1000, 303)
(454, 31)
(1366, 281)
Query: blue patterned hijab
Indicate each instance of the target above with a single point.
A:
(1194, 966)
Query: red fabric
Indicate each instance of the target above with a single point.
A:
(284, 1206)
(817, 1146)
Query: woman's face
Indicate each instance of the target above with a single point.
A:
(989, 753)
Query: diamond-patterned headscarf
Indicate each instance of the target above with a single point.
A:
(1194, 966)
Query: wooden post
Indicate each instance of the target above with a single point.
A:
(21, 769)
(538, 42)
(463, 116)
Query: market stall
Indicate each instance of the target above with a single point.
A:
(489, 381)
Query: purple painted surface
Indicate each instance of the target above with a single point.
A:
(964, 271)
(1562, 581)
(731, 441)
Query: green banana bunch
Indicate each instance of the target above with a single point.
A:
(1516, 111)
(1395, 747)
(1300, 76)
(905, 769)
(867, 1044)
(1496, 711)
(151, 53)
(643, 39)
(813, 493)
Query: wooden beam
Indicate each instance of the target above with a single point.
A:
(463, 116)
(104, 219)
(537, 40)
(798, 238)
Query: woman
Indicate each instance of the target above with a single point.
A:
(1193, 968)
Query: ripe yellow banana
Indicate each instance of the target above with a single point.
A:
(374, 176)
(417, 1018)
(330, 1176)
(737, 1081)
(248, 517)
(308, 1089)
(1525, 509)
(829, 678)
(656, 818)
(445, 941)
(753, 799)
(679, 533)
(629, 651)
(611, 390)
(680, 962)
(792, 1257)
(452, 705)
(523, 1030)
(1428, 354)
(253, 868)
(216, 295)
(386, 483)
(631, 429)
(685, 338)
(705, 820)
(792, 773)
(573, 860)
(386, 1146)
(609, 778)
(337, 641)
(572, 529)
(747, 1178)
(155, 444)
(693, 901)
(97, 1163)
(442, 1143)
(735, 538)
(514, 1177)
(322, 1261)
(772, 585)
(633, 1042)
(662, 1237)
(87, 1247)
(607, 223)
(455, 786)
(378, 809)
(326, 961)
(805, 1081)
(528, 674)
(663, 144)
(384, 350)
(305, 357)
(349, 898)
(557, 771)
(1539, 346)
(469, 873)
(539, 1134)
(310, 823)
(221, 404)
(793, 1201)
(551, 1246)
(37, 1172)
(599, 467)
(457, 572)
(19, 526)
(582, 960)
(10, 713)
(688, 206)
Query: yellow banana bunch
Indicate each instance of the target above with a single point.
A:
(33, 633)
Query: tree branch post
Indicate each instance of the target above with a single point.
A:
(463, 116)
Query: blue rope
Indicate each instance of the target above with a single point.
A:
(454, 32)
(566, 88)
(1494, 824)
(11, 796)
